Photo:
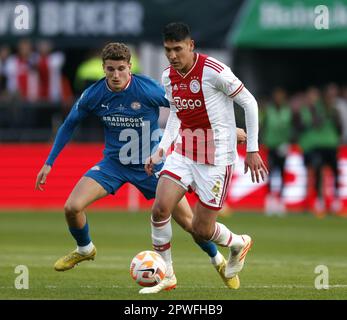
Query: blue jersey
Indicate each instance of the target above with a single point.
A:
(129, 118)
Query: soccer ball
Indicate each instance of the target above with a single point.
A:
(147, 268)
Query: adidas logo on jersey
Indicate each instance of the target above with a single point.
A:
(213, 201)
(175, 87)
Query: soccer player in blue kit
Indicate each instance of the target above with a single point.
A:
(128, 107)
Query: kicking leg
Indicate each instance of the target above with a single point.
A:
(206, 227)
(183, 215)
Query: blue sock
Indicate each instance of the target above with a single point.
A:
(81, 235)
(209, 247)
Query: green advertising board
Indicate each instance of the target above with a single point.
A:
(290, 24)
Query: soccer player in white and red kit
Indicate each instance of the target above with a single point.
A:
(201, 91)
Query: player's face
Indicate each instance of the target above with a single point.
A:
(117, 74)
(180, 54)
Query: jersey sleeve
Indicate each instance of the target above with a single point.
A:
(246, 100)
(228, 83)
(167, 91)
(173, 123)
(171, 130)
(78, 112)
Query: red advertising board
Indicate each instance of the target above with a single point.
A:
(20, 164)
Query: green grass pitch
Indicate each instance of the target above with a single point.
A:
(281, 264)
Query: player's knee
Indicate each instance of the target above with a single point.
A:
(71, 208)
(160, 212)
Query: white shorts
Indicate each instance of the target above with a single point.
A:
(209, 182)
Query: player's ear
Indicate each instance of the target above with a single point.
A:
(192, 44)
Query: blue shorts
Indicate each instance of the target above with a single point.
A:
(111, 175)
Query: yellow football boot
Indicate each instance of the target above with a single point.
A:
(69, 261)
(231, 283)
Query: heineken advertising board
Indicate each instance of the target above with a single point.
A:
(290, 24)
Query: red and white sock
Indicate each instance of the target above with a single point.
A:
(161, 240)
(224, 237)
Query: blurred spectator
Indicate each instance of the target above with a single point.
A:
(296, 102)
(4, 55)
(341, 106)
(276, 132)
(54, 88)
(318, 125)
(21, 72)
(36, 76)
(49, 68)
(332, 137)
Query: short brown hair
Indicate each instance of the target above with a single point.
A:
(116, 51)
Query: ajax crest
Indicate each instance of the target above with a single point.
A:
(194, 86)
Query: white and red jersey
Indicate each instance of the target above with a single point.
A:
(204, 105)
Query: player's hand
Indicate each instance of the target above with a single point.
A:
(154, 159)
(42, 176)
(256, 166)
(241, 136)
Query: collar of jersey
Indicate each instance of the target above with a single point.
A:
(191, 69)
(125, 87)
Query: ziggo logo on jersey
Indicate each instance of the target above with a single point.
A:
(183, 104)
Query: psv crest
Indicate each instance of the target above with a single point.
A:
(136, 105)
(194, 86)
